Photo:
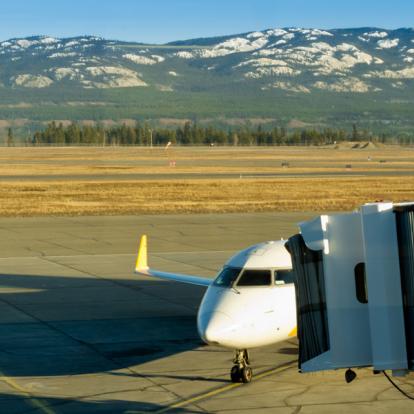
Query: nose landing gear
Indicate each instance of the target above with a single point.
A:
(241, 371)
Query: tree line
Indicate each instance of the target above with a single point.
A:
(190, 134)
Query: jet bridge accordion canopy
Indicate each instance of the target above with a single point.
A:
(355, 289)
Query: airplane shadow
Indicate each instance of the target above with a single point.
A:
(289, 351)
(177, 377)
(56, 325)
(20, 404)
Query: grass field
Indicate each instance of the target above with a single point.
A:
(78, 181)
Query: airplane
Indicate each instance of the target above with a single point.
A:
(251, 303)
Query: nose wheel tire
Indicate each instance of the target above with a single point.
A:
(241, 371)
(235, 374)
(244, 374)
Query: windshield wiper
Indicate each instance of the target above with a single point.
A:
(235, 290)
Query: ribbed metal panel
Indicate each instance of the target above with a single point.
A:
(310, 299)
(405, 232)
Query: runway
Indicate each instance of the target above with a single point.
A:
(201, 176)
(80, 333)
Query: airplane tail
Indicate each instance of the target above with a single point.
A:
(142, 258)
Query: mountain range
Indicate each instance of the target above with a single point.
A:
(286, 76)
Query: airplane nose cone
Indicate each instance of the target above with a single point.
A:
(214, 327)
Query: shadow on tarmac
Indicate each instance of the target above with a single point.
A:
(13, 404)
(72, 325)
(289, 351)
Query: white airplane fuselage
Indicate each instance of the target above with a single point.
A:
(242, 317)
(250, 317)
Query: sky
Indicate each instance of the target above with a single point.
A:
(161, 21)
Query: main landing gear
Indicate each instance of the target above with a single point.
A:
(241, 371)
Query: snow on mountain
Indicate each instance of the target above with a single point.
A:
(32, 81)
(388, 43)
(288, 36)
(276, 32)
(321, 55)
(184, 54)
(48, 40)
(287, 86)
(295, 60)
(367, 36)
(228, 47)
(144, 60)
(272, 71)
(61, 73)
(376, 34)
(112, 77)
(71, 44)
(263, 62)
(254, 35)
(62, 55)
(344, 85)
(24, 43)
(407, 73)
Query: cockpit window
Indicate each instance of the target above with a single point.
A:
(284, 276)
(227, 276)
(252, 277)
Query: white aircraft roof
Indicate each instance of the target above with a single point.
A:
(271, 254)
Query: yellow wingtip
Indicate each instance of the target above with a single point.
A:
(142, 261)
(293, 332)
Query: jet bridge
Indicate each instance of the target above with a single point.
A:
(355, 289)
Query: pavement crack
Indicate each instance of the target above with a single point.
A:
(14, 232)
(184, 263)
(296, 394)
(38, 253)
(382, 391)
(102, 394)
(62, 246)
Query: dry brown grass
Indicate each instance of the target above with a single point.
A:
(124, 160)
(66, 196)
(199, 196)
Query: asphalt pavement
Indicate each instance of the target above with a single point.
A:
(81, 333)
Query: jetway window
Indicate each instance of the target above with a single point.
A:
(227, 276)
(361, 283)
(255, 278)
(284, 276)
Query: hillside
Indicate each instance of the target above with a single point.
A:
(287, 76)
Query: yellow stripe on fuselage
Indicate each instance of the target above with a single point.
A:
(294, 331)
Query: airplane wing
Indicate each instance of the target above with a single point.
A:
(142, 268)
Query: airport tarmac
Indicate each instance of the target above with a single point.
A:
(200, 176)
(80, 333)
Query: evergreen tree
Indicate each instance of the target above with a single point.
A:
(187, 133)
(355, 133)
(10, 138)
(194, 134)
